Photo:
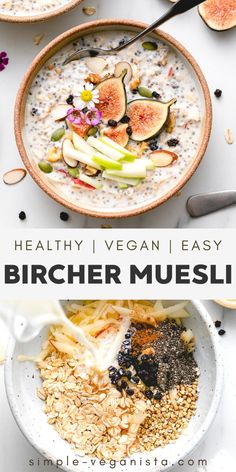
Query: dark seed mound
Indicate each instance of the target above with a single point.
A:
(156, 357)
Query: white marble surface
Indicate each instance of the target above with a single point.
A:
(219, 445)
(215, 54)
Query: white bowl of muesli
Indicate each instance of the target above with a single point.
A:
(113, 136)
(145, 400)
(31, 11)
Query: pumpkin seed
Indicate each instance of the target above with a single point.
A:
(73, 172)
(93, 131)
(150, 46)
(144, 92)
(45, 167)
(57, 134)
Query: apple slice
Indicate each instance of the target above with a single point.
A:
(81, 145)
(104, 149)
(70, 153)
(127, 154)
(134, 170)
(14, 176)
(121, 180)
(106, 162)
(90, 181)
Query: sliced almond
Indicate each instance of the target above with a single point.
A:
(60, 112)
(89, 11)
(229, 136)
(120, 67)
(163, 158)
(14, 176)
(96, 64)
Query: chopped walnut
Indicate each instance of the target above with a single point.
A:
(93, 79)
(171, 122)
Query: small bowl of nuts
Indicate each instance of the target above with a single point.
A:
(151, 400)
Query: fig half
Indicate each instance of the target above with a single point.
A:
(148, 117)
(112, 98)
(219, 15)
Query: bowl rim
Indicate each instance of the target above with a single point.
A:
(56, 45)
(197, 438)
(42, 16)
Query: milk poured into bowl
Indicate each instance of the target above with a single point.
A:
(26, 318)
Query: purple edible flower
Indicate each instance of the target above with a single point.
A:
(74, 115)
(3, 60)
(93, 117)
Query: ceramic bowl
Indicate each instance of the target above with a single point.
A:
(231, 304)
(71, 36)
(22, 380)
(42, 16)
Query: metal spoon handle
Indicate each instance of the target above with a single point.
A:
(205, 203)
(177, 8)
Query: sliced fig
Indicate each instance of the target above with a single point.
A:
(148, 117)
(82, 129)
(112, 98)
(118, 134)
(120, 67)
(219, 15)
(163, 158)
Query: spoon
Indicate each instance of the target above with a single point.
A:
(177, 8)
(205, 203)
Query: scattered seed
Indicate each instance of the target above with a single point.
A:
(145, 92)
(150, 46)
(93, 131)
(57, 134)
(45, 167)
